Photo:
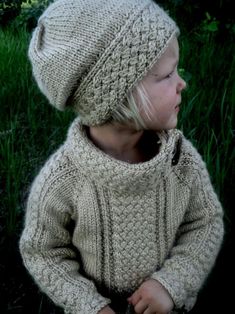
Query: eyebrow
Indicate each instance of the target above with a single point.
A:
(153, 72)
(176, 63)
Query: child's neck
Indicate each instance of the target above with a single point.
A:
(121, 142)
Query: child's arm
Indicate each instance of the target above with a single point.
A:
(47, 250)
(198, 239)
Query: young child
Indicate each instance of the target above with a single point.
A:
(123, 217)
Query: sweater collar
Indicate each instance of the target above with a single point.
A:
(119, 175)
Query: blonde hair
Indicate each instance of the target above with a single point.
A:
(136, 101)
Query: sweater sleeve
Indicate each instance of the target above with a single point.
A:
(47, 249)
(198, 241)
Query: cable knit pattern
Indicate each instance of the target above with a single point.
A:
(128, 222)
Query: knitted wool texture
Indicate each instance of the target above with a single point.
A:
(88, 54)
(157, 219)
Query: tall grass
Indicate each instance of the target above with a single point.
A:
(30, 129)
(208, 115)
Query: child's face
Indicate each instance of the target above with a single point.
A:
(164, 86)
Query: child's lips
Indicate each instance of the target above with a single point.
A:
(177, 107)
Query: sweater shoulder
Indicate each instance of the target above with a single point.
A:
(190, 162)
(190, 156)
(58, 176)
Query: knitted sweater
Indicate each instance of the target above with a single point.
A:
(92, 219)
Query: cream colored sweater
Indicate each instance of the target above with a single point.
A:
(158, 219)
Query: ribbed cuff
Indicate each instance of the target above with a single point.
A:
(172, 288)
(93, 307)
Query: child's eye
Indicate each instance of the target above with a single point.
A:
(175, 70)
(169, 75)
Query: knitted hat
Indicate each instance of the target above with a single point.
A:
(88, 54)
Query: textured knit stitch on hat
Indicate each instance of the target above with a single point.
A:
(88, 54)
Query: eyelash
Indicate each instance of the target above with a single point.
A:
(169, 75)
(172, 72)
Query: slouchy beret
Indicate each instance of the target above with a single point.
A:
(87, 54)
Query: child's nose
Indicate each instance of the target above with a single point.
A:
(181, 85)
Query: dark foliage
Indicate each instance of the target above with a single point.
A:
(9, 10)
(217, 15)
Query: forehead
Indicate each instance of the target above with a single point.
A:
(172, 49)
(170, 55)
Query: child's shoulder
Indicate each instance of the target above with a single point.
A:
(61, 168)
(58, 173)
(190, 160)
(57, 164)
(190, 153)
